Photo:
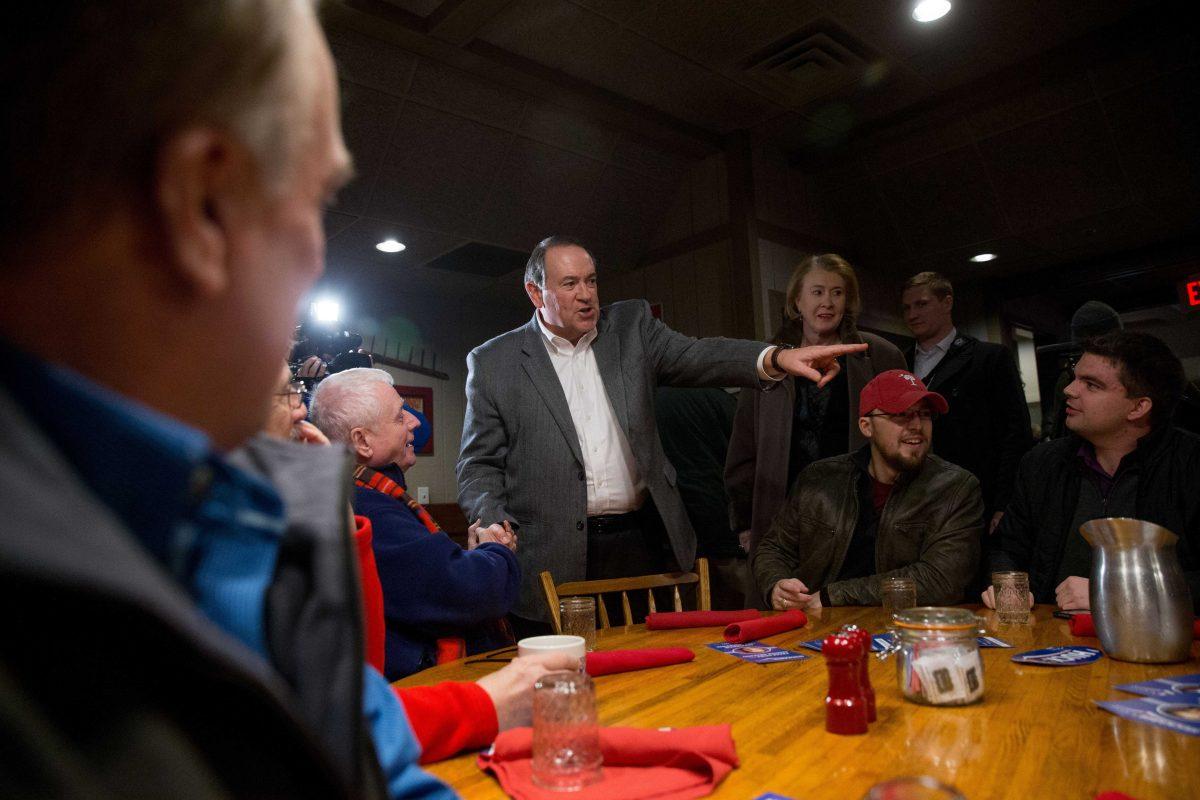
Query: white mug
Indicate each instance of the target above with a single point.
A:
(571, 645)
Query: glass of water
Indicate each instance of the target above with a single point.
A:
(578, 617)
(919, 788)
(1011, 590)
(566, 735)
(897, 594)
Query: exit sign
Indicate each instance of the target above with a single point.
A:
(1189, 293)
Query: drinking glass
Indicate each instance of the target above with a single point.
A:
(897, 594)
(1011, 590)
(578, 616)
(919, 788)
(566, 736)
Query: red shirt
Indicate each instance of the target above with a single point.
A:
(879, 494)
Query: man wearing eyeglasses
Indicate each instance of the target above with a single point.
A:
(891, 509)
(287, 416)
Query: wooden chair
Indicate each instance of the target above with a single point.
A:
(626, 585)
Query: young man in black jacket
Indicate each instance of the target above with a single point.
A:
(1122, 459)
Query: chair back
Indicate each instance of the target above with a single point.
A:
(624, 586)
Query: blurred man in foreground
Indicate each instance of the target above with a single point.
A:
(891, 509)
(184, 631)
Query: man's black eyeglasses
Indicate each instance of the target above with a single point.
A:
(294, 395)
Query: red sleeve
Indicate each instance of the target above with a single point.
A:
(374, 630)
(449, 717)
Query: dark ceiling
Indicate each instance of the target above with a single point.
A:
(1061, 135)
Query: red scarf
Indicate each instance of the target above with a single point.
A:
(449, 648)
(368, 478)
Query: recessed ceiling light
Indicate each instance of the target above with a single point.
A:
(929, 10)
(982, 257)
(389, 246)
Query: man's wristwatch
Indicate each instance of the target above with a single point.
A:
(775, 368)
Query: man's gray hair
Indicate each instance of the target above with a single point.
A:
(535, 267)
(344, 401)
(93, 88)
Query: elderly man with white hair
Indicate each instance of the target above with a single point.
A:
(440, 601)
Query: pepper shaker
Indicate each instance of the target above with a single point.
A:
(845, 705)
(864, 675)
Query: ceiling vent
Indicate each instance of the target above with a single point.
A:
(812, 61)
(474, 258)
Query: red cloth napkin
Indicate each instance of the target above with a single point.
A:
(638, 763)
(665, 620)
(608, 662)
(1113, 795)
(753, 629)
(1082, 625)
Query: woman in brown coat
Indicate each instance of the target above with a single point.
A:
(777, 434)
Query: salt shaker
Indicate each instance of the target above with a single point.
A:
(845, 705)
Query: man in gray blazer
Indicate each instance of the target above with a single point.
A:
(560, 439)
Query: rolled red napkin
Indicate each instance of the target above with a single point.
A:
(665, 620)
(1082, 625)
(638, 763)
(750, 630)
(607, 662)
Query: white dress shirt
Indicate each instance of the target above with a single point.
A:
(614, 485)
(926, 360)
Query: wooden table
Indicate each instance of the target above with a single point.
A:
(1036, 734)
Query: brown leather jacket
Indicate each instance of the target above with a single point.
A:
(929, 530)
(756, 466)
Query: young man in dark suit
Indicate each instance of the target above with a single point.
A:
(987, 429)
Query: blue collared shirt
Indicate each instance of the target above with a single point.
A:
(213, 527)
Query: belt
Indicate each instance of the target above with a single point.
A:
(612, 523)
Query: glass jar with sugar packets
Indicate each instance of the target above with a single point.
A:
(937, 655)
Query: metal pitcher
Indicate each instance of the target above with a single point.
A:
(1140, 601)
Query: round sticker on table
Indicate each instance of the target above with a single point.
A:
(1058, 656)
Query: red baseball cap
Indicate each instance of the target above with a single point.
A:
(895, 391)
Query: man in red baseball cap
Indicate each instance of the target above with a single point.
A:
(892, 509)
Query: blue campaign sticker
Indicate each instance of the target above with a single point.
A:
(992, 641)
(878, 643)
(1058, 656)
(1181, 714)
(1174, 686)
(882, 641)
(757, 652)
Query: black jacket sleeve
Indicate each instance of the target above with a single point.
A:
(1016, 534)
(1012, 432)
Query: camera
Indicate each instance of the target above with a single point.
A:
(338, 349)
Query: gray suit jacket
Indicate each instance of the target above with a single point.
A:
(520, 458)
